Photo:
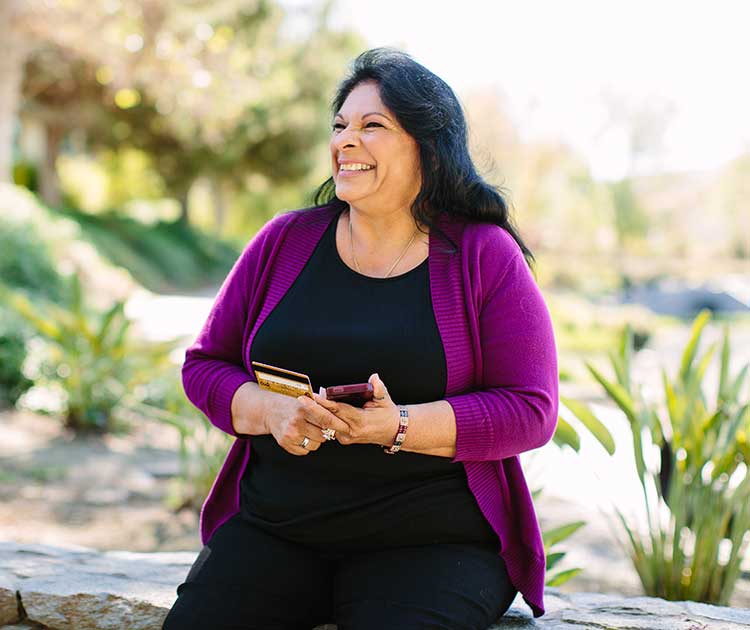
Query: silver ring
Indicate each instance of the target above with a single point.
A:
(305, 441)
(329, 434)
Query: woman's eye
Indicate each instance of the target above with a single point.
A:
(341, 126)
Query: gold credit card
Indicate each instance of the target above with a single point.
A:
(281, 381)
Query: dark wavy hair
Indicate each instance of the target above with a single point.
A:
(430, 112)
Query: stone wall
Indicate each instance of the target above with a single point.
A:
(82, 589)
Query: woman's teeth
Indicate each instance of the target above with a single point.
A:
(355, 167)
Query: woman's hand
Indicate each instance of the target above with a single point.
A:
(291, 422)
(375, 423)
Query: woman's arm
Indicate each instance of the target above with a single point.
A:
(432, 429)
(213, 369)
(516, 410)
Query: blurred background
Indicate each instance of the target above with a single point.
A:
(142, 144)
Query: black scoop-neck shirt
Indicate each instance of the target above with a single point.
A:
(339, 326)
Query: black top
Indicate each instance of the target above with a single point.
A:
(339, 326)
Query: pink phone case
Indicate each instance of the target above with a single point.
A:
(356, 395)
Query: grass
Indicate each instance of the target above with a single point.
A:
(164, 256)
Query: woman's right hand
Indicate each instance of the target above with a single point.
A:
(289, 422)
(256, 411)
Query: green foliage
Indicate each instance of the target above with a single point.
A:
(12, 354)
(567, 435)
(25, 261)
(25, 174)
(631, 221)
(91, 357)
(697, 501)
(162, 256)
(552, 538)
(203, 448)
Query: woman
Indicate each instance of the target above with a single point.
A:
(407, 274)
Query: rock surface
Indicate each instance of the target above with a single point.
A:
(83, 589)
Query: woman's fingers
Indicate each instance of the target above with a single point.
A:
(315, 433)
(304, 444)
(322, 416)
(380, 393)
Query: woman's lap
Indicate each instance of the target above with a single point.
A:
(245, 578)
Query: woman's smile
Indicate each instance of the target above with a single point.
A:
(370, 148)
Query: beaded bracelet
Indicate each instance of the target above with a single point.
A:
(401, 435)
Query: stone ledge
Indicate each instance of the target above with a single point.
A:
(83, 589)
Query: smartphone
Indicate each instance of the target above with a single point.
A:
(355, 395)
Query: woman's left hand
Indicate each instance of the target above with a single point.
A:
(375, 423)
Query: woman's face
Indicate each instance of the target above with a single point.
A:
(365, 132)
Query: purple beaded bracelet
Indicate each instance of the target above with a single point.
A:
(401, 435)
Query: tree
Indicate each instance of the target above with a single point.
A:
(15, 50)
(644, 125)
(731, 203)
(205, 88)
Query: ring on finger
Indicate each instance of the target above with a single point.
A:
(305, 441)
(329, 434)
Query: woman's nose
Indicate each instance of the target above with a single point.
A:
(346, 138)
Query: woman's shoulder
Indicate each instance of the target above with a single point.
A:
(286, 218)
(490, 245)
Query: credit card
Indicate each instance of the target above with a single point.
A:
(281, 381)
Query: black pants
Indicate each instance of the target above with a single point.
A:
(246, 579)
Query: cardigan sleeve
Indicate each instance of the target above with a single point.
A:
(516, 409)
(213, 369)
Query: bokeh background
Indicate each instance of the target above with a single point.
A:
(143, 143)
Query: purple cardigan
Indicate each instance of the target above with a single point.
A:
(499, 350)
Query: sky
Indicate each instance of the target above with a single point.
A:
(553, 61)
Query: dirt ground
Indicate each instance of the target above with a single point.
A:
(102, 492)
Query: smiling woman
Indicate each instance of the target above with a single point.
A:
(375, 165)
(407, 274)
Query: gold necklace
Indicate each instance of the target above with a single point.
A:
(393, 266)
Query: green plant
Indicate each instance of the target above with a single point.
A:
(691, 457)
(551, 538)
(203, 448)
(567, 435)
(25, 261)
(12, 354)
(90, 356)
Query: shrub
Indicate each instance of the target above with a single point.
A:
(90, 356)
(692, 458)
(12, 354)
(26, 263)
(203, 448)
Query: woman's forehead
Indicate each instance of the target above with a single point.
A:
(364, 99)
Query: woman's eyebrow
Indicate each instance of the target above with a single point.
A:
(338, 115)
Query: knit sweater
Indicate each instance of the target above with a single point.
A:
(500, 356)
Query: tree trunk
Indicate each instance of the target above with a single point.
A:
(182, 198)
(49, 184)
(13, 52)
(219, 203)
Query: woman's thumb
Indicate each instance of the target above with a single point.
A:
(379, 391)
